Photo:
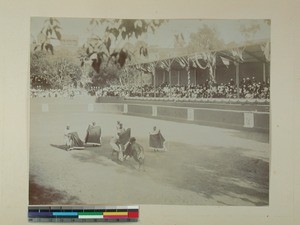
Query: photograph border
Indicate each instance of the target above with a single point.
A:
(284, 185)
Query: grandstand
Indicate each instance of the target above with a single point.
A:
(237, 63)
(235, 94)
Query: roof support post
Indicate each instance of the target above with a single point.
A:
(237, 78)
(154, 81)
(141, 77)
(188, 75)
(264, 72)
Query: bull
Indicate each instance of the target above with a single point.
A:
(136, 151)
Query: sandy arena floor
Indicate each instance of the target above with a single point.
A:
(203, 165)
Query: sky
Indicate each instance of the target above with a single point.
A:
(229, 30)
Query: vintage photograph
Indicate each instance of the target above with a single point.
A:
(149, 111)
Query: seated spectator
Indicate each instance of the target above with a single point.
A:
(208, 89)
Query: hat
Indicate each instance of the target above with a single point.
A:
(132, 139)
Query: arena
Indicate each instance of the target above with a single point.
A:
(209, 97)
(204, 165)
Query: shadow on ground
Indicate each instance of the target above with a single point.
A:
(40, 195)
(62, 147)
(95, 154)
(209, 171)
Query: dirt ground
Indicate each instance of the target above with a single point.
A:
(203, 165)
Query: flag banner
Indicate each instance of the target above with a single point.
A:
(211, 73)
(194, 65)
(182, 62)
(225, 61)
(213, 58)
(200, 66)
(165, 65)
(238, 53)
(266, 49)
(93, 135)
(156, 141)
(210, 59)
(151, 68)
(145, 70)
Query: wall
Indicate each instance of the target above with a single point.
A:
(228, 118)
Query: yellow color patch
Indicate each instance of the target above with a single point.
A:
(115, 213)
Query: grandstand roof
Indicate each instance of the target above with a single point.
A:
(252, 52)
(258, 51)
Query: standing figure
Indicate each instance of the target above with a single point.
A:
(118, 125)
(156, 140)
(120, 128)
(72, 140)
(114, 143)
(67, 137)
(119, 141)
(93, 135)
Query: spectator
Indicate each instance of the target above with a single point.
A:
(249, 88)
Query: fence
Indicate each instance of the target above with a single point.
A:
(237, 119)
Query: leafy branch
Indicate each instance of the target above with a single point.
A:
(49, 32)
(111, 46)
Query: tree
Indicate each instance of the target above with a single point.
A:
(48, 34)
(54, 71)
(205, 39)
(249, 30)
(108, 73)
(38, 68)
(111, 46)
(106, 50)
(134, 77)
(205, 42)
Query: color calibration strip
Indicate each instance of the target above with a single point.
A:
(83, 213)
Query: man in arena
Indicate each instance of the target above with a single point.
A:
(93, 135)
(72, 140)
(67, 137)
(156, 140)
(120, 127)
(120, 140)
(114, 143)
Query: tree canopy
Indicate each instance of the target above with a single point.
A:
(105, 52)
(111, 46)
(205, 39)
(48, 34)
(54, 71)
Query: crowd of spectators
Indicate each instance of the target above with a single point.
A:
(248, 88)
(40, 92)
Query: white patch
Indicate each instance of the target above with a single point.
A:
(248, 119)
(45, 107)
